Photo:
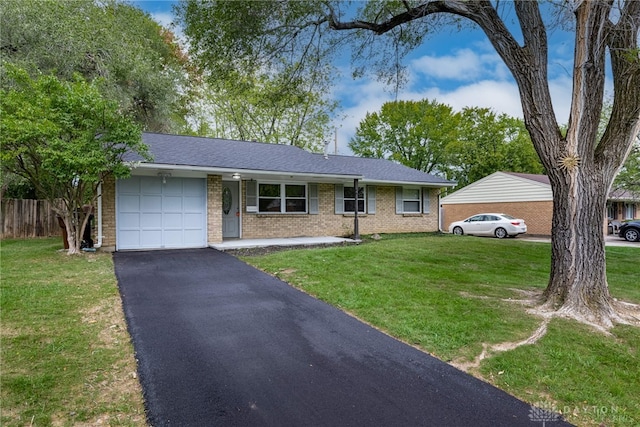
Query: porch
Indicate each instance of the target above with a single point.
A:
(231, 244)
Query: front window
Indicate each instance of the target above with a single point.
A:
(411, 200)
(282, 198)
(350, 199)
(629, 211)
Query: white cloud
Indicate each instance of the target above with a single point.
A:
(501, 96)
(481, 62)
(463, 65)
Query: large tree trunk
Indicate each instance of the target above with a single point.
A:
(578, 282)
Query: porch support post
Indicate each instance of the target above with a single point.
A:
(356, 232)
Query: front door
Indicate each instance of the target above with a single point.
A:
(230, 209)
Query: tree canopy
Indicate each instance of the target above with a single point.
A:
(283, 99)
(461, 146)
(140, 64)
(65, 138)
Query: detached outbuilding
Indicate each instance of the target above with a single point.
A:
(199, 191)
(526, 196)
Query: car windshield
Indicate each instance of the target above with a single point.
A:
(508, 216)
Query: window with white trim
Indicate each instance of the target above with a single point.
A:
(411, 200)
(282, 198)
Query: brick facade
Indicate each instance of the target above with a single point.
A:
(214, 209)
(328, 223)
(325, 223)
(537, 215)
(109, 214)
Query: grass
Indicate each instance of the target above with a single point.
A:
(449, 295)
(67, 358)
(66, 355)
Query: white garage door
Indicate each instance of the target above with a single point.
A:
(152, 214)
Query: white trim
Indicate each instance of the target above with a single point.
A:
(245, 173)
(153, 168)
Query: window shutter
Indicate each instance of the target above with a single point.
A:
(371, 200)
(313, 199)
(339, 190)
(251, 193)
(426, 200)
(399, 209)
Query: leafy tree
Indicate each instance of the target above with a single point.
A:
(65, 138)
(262, 111)
(141, 65)
(488, 143)
(414, 133)
(629, 176)
(278, 100)
(581, 165)
(431, 137)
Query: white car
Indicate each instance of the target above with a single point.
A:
(489, 224)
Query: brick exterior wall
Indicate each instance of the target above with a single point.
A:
(537, 215)
(327, 223)
(214, 209)
(109, 214)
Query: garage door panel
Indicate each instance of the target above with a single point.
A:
(151, 221)
(129, 203)
(173, 187)
(192, 204)
(150, 185)
(172, 220)
(151, 239)
(172, 204)
(129, 221)
(193, 188)
(129, 186)
(129, 238)
(151, 203)
(151, 214)
(192, 237)
(192, 220)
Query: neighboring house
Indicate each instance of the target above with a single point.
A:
(200, 191)
(525, 196)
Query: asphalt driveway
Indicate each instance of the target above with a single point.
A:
(220, 343)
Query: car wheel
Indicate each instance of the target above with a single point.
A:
(632, 235)
(458, 231)
(500, 233)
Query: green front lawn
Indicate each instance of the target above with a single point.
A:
(67, 358)
(66, 354)
(450, 295)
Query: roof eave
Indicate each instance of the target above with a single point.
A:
(244, 173)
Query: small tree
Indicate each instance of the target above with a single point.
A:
(65, 138)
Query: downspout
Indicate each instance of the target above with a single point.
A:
(439, 213)
(99, 243)
(356, 231)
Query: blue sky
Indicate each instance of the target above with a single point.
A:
(456, 68)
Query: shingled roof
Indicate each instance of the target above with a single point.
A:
(255, 157)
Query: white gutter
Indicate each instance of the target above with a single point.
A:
(210, 170)
(409, 183)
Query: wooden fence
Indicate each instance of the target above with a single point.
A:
(28, 218)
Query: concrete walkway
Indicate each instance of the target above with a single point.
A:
(291, 241)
